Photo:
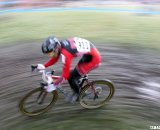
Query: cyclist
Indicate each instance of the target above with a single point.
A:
(67, 50)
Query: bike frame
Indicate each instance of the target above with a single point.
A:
(87, 90)
(48, 78)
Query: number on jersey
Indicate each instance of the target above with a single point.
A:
(82, 45)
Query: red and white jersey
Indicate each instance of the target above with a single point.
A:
(71, 48)
(77, 46)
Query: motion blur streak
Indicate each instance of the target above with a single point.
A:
(133, 106)
(79, 9)
(128, 43)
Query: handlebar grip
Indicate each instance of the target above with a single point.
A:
(33, 67)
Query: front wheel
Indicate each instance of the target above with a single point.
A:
(37, 102)
(96, 94)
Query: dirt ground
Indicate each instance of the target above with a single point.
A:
(134, 70)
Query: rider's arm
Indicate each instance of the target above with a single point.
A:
(66, 59)
(51, 62)
(66, 68)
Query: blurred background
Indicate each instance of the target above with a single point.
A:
(127, 34)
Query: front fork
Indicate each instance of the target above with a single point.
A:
(42, 94)
(41, 97)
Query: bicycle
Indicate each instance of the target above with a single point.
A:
(93, 94)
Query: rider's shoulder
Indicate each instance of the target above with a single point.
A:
(64, 42)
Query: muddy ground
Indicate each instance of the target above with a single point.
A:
(134, 70)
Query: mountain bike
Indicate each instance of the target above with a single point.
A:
(93, 94)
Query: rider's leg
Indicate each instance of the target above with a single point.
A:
(74, 83)
(89, 62)
(74, 80)
(75, 74)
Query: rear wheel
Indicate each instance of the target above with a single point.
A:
(96, 94)
(37, 102)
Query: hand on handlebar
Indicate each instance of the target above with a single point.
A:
(37, 67)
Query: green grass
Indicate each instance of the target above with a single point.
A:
(95, 26)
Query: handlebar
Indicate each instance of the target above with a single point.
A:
(46, 75)
(34, 67)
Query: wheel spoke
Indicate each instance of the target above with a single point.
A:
(96, 95)
(37, 102)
